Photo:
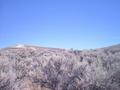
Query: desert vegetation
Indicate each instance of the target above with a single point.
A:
(39, 68)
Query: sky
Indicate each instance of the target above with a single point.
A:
(77, 24)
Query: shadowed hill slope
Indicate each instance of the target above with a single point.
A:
(39, 68)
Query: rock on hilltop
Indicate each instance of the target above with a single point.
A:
(25, 67)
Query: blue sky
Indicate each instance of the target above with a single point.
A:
(78, 24)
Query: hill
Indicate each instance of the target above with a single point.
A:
(25, 67)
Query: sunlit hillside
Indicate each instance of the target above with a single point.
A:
(25, 67)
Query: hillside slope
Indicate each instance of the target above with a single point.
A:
(39, 68)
